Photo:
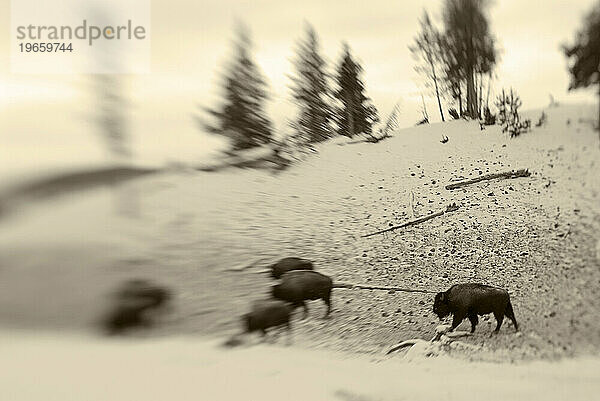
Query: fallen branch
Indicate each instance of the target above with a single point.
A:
(449, 208)
(377, 287)
(506, 174)
(404, 344)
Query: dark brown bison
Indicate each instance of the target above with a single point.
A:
(470, 300)
(285, 265)
(297, 287)
(133, 304)
(266, 314)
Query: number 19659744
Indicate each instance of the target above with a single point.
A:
(45, 47)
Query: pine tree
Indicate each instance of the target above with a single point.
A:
(471, 44)
(584, 55)
(451, 72)
(242, 117)
(311, 93)
(426, 49)
(356, 114)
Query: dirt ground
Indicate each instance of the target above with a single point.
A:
(534, 236)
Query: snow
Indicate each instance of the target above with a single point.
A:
(48, 368)
(60, 257)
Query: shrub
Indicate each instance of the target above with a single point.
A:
(508, 114)
(453, 113)
(425, 120)
(488, 117)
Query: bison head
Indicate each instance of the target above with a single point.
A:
(440, 305)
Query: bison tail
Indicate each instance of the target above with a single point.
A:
(509, 313)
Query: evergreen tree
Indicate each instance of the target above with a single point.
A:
(356, 115)
(471, 44)
(584, 55)
(311, 93)
(426, 49)
(242, 117)
(451, 72)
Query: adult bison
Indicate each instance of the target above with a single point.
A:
(297, 287)
(470, 300)
(285, 265)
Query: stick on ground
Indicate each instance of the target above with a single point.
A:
(449, 208)
(376, 287)
(506, 174)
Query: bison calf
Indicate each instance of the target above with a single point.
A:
(471, 300)
(285, 265)
(266, 314)
(299, 286)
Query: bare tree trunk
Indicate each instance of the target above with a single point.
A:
(437, 92)
(460, 108)
(471, 95)
(471, 90)
(424, 108)
(480, 94)
(487, 99)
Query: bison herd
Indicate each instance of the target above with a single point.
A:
(137, 300)
(300, 283)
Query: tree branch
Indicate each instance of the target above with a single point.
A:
(449, 208)
(507, 174)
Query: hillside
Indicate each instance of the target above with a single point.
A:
(534, 236)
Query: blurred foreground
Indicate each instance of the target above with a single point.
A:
(50, 368)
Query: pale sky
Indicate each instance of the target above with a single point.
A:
(191, 40)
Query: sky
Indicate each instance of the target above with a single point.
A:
(191, 42)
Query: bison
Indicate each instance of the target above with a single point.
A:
(285, 265)
(132, 305)
(299, 286)
(266, 314)
(471, 300)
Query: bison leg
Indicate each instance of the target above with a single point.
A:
(303, 304)
(474, 320)
(457, 320)
(289, 332)
(263, 335)
(327, 300)
(499, 318)
(509, 313)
